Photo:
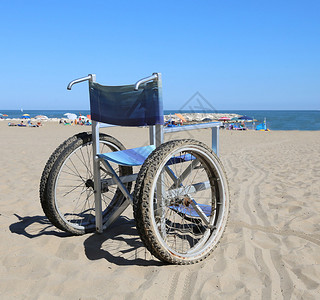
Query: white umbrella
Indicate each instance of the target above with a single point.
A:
(71, 116)
(41, 117)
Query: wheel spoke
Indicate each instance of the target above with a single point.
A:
(74, 188)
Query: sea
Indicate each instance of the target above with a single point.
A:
(275, 119)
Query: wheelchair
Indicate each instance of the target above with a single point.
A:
(180, 197)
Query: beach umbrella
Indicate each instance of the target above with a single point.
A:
(235, 119)
(245, 118)
(25, 116)
(206, 120)
(224, 119)
(180, 116)
(41, 117)
(4, 115)
(71, 116)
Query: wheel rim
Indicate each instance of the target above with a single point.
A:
(178, 228)
(73, 191)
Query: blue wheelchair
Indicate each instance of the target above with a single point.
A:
(180, 198)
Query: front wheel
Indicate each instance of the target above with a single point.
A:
(67, 184)
(181, 202)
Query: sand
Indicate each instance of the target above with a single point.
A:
(270, 250)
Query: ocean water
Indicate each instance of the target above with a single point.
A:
(276, 119)
(280, 119)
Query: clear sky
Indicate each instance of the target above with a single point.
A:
(237, 54)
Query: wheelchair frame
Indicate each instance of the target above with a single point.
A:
(208, 220)
(156, 135)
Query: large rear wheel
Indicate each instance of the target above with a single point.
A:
(181, 202)
(67, 184)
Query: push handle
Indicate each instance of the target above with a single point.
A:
(144, 80)
(91, 77)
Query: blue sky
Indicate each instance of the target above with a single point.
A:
(237, 54)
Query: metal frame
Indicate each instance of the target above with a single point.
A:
(156, 138)
(214, 132)
(156, 135)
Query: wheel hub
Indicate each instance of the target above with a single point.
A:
(89, 183)
(184, 200)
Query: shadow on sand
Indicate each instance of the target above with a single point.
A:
(120, 244)
(35, 226)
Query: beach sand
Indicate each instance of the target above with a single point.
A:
(270, 250)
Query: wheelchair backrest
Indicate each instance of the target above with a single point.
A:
(125, 106)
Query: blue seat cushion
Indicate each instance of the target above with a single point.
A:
(180, 159)
(129, 157)
(137, 156)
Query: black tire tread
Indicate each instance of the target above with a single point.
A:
(48, 167)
